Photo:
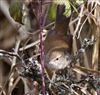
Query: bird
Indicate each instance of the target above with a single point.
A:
(58, 44)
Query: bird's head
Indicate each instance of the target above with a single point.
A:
(58, 60)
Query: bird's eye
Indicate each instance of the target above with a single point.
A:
(57, 58)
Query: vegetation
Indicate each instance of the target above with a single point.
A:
(24, 26)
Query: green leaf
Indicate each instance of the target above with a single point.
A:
(66, 3)
(79, 1)
(52, 12)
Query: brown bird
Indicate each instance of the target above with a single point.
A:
(58, 44)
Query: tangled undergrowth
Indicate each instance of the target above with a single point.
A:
(22, 69)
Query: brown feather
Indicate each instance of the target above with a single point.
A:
(58, 40)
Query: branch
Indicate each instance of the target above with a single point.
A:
(6, 53)
(16, 52)
(79, 21)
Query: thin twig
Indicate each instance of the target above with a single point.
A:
(42, 21)
(30, 45)
(36, 42)
(73, 21)
(3, 52)
(38, 31)
(79, 21)
(13, 65)
(16, 52)
(79, 32)
(87, 69)
(14, 85)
